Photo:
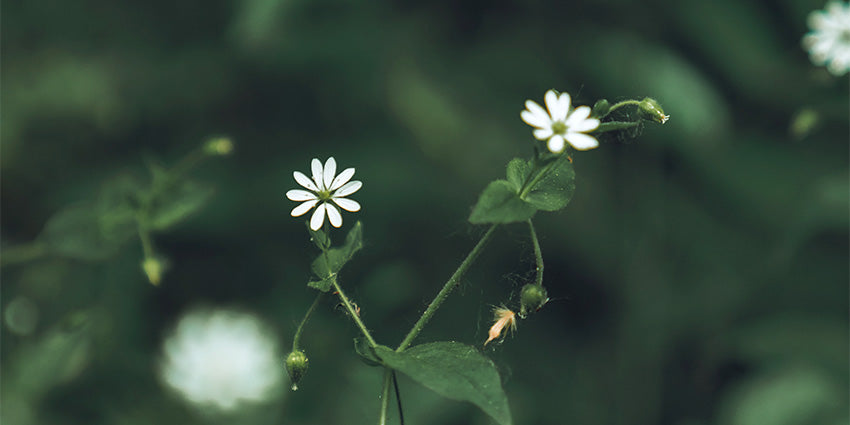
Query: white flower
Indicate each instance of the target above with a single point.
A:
(829, 41)
(560, 124)
(221, 358)
(325, 190)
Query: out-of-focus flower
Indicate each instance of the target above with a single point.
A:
(221, 358)
(560, 123)
(327, 190)
(829, 41)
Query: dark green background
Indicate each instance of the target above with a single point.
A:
(699, 276)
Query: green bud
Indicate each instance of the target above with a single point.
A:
(600, 108)
(532, 298)
(154, 268)
(218, 146)
(296, 366)
(649, 109)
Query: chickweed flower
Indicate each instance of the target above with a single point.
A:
(222, 359)
(829, 41)
(327, 190)
(560, 123)
(504, 319)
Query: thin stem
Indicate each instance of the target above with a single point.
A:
(618, 105)
(614, 126)
(447, 289)
(23, 253)
(538, 256)
(353, 313)
(145, 237)
(385, 396)
(306, 318)
(398, 400)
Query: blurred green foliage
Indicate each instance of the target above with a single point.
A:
(699, 275)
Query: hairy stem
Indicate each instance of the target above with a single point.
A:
(538, 255)
(306, 318)
(619, 105)
(385, 396)
(447, 289)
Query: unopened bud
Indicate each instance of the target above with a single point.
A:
(532, 298)
(296, 366)
(154, 268)
(600, 108)
(218, 146)
(649, 109)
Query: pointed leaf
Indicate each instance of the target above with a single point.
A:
(499, 203)
(319, 237)
(323, 285)
(555, 189)
(330, 263)
(518, 172)
(76, 232)
(453, 370)
(177, 203)
(366, 353)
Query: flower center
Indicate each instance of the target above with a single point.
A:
(844, 37)
(559, 127)
(324, 195)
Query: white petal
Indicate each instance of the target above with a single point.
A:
(347, 204)
(556, 144)
(300, 195)
(333, 215)
(342, 178)
(304, 181)
(303, 208)
(581, 141)
(579, 121)
(558, 105)
(543, 133)
(348, 189)
(535, 120)
(329, 172)
(537, 110)
(318, 217)
(316, 167)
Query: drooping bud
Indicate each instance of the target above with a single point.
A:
(154, 268)
(600, 108)
(532, 298)
(218, 146)
(649, 109)
(296, 366)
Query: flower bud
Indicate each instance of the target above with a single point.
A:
(218, 146)
(600, 108)
(154, 268)
(532, 298)
(649, 109)
(296, 366)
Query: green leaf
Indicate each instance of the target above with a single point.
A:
(319, 237)
(177, 203)
(518, 172)
(554, 190)
(323, 285)
(327, 265)
(76, 232)
(117, 206)
(366, 352)
(499, 203)
(453, 370)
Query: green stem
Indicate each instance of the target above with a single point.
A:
(619, 105)
(398, 400)
(23, 253)
(614, 126)
(385, 396)
(145, 237)
(447, 289)
(538, 255)
(353, 313)
(306, 318)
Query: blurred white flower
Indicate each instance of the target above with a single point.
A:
(221, 358)
(829, 41)
(561, 124)
(325, 190)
